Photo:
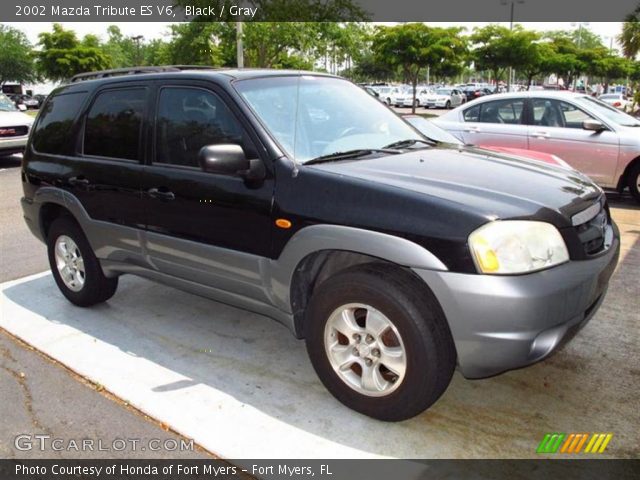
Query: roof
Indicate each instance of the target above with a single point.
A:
(178, 70)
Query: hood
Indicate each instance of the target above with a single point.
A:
(487, 184)
(11, 119)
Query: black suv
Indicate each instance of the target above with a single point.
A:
(301, 197)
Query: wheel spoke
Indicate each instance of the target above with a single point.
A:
(343, 356)
(346, 324)
(376, 323)
(372, 379)
(393, 359)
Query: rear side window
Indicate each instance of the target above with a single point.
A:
(51, 133)
(113, 125)
(502, 111)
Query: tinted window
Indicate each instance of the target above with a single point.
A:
(472, 114)
(113, 124)
(190, 118)
(502, 111)
(556, 113)
(51, 133)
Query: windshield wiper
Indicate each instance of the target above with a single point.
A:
(409, 143)
(349, 154)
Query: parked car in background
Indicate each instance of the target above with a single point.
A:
(444, 98)
(17, 101)
(30, 102)
(472, 93)
(439, 135)
(421, 96)
(400, 95)
(40, 98)
(14, 127)
(591, 136)
(617, 100)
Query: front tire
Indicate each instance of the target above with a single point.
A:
(634, 181)
(448, 105)
(75, 268)
(379, 341)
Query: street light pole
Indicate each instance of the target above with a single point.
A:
(137, 39)
(239, 45)
(512, 4)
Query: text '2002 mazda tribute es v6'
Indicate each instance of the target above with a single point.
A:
(301, 197)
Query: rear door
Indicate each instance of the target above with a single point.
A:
(104, 173)
(496, 123)
(557, 129)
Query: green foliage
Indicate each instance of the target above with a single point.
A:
(16, 60)
(62, 55)
(629, 38)
(414, 46)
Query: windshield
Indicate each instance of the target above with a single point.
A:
(432, 131)
(313, 116)
(6, 105)
(443, 91)
(614, 96)
(610, 113)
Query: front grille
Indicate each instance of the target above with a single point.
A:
(591, 232)
(19, 131)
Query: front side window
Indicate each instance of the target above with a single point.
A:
(312, 116)
(191, 118)
(113, 125)
(556, 113)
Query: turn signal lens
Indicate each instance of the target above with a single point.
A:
(283, 223)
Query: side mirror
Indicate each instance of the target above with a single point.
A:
(593, 125)
(229, 159)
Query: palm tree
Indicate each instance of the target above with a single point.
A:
(629, 38)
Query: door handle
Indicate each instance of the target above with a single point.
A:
(78, 181)
(472, 129)
(161, 194)
(541, 134)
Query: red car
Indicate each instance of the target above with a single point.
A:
(433, 132)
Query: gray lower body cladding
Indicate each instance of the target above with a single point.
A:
(500, 323)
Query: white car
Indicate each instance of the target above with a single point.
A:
(14, 127)
(444, 98)
(399, 95)
(421, 96)
(617, 100)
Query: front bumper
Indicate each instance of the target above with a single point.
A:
(499, 323)
(13, 144)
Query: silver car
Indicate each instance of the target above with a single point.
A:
(591, 136)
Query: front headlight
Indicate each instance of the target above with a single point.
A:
(517, 246)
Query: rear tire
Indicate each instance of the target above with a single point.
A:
(634, 181)
(416, 342)
(75, 268)
(448, 105)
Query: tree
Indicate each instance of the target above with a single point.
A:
(629, 38)
(62, 55)
(16, 59)
(414, 46)
(491, 49)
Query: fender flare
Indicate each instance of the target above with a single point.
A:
(317, 238)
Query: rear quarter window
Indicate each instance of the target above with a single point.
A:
(52, 131)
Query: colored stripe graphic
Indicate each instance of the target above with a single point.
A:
(573, 442)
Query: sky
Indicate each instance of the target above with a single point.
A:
(606, 30)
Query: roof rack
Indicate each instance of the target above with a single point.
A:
(136, 70)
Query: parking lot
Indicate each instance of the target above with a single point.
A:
(242, 387)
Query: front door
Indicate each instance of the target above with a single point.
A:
(557, 128)
(206, 227)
